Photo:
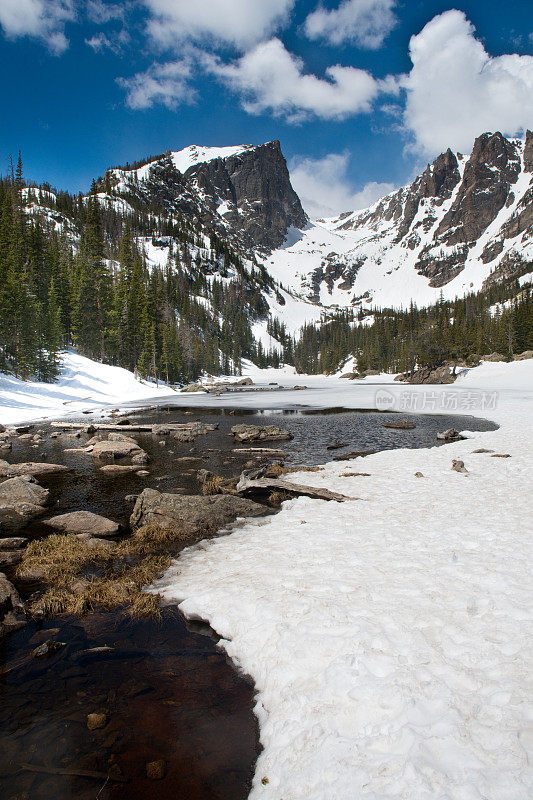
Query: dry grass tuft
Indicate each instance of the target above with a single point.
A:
(65, 559)
(61, 557)
(279, 497)
(212, 485)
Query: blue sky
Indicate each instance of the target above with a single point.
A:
(361, 93)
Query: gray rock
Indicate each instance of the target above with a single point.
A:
(83, 522)
(12, 614)
(47, 649)
(13, 543)
(459, 466)
(451, 435)
(30, 468)
(260, 433)
(116, 470)
(21, 501)
(118, 448)
(191, 516)
(10, 558)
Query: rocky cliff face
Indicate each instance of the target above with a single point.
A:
(243, 192)
(465, 222)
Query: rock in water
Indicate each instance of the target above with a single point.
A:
(30, 468)
(191, 516)
(21, 501)
(12, 614)
(119, 447)
(451, 435)
(260, 433)
(83, 522)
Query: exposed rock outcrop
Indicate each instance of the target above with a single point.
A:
(191, 516)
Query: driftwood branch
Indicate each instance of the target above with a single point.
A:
(249, 484)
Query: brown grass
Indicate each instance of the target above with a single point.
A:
(61, 557)
(65, 559)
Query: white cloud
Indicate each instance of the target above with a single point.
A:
(324, 189)
(364, 22)
(167, 84)
(238, 22)
(269, 78)
(40, 19)
(100, 42)
(101, 12)
(456, 90)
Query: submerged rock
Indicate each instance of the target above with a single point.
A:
(83, 522)
(191, 516)
(12, 613)
(119, 446)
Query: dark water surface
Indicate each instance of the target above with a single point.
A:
(172, 694)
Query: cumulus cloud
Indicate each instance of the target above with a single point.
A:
(40, 19)
(167, 84)
(237, 22)
(456, 90)
(324, 189)
(269, 78)
(366, 23)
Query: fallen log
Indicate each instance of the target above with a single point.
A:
(246, 484)
(138, 428)
(271, 451)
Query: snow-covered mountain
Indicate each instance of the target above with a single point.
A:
(243, 193)
(465, 222)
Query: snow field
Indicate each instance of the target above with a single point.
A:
(389, 638)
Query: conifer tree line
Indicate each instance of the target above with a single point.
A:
(72, 274)
(86, 284)
(499, 319)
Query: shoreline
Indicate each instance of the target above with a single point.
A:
(412, 581)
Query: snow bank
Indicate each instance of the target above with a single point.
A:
(83, 385)
(388, 636)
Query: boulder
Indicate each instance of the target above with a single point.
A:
(30, 468)
(116, 470)
(13, 543)
(21, 501)
(401, 425)
(459, 466)
(523, 356)
(451, 435)
(10, 558)
(12, 614)
(194, 387)
(494, 357)
(83, 522)
(118, 448)
(191, 516)
(260, 433)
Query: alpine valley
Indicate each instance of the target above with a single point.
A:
(190, 261)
